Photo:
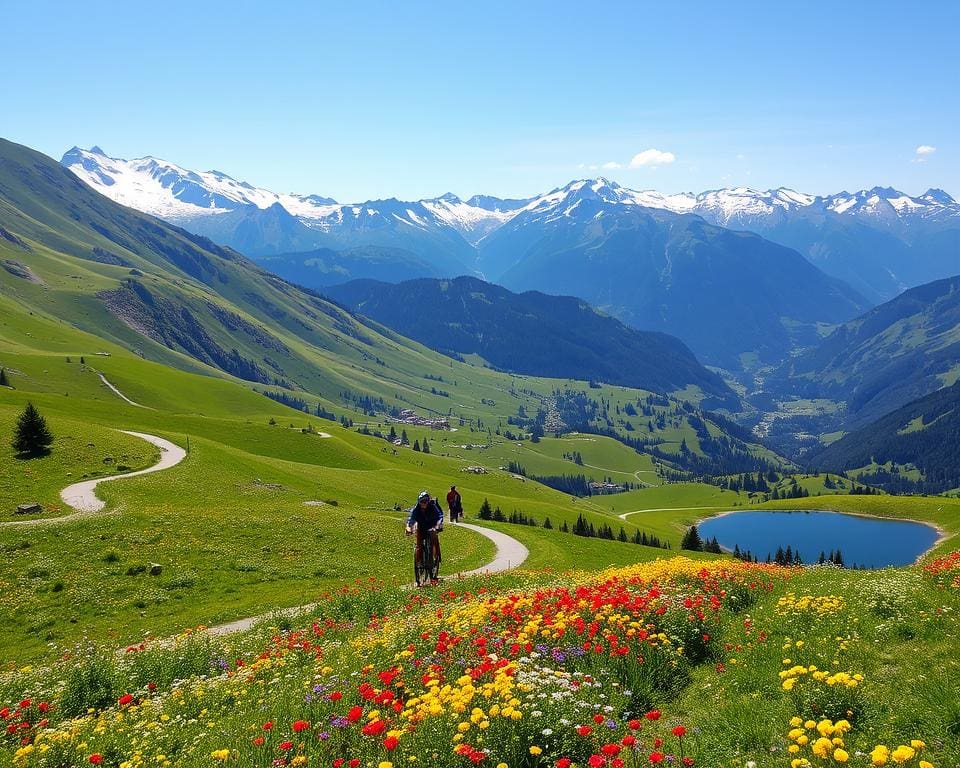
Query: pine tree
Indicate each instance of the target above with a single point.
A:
(691, 540)
(622, 536)
(404, 440)
(425, 447)
(32, 438)
(547, 524)
(416, 445)
(486, 513)
(393, 434)
(4, 381)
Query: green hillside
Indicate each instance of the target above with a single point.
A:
(557, 336)
(893, 354)
(911, 450)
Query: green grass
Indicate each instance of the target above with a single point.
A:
(80, 451)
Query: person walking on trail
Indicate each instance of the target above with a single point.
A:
(455, 504)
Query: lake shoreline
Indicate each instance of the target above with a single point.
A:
(942, 534)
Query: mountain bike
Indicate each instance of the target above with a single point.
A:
(426, 557)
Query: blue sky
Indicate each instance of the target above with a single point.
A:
(415, 99)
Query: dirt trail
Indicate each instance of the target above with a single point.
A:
(510, 554)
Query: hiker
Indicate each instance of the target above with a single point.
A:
(455, 504)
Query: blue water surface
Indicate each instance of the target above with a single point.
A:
(864, 541)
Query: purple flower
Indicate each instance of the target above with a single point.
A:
(339, 721)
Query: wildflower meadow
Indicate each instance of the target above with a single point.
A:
(673, 662)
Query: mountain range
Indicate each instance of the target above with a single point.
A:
(880, 240)
(531, 333)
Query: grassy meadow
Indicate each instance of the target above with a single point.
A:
(595, 653)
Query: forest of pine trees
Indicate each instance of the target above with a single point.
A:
(580, 528)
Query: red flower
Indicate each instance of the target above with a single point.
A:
(598, 719)
(285, 745)
(634, 725)
(629, 740)
(127, 698)
(354, 714)
(300, 725)
(688, 761)
(390, 743)
(151, 686)
(268, 725)
(679, 731)
(354, 763)
(596, 761)
(336, 696)
(374, 729)
(563, 762)
(656, 757)
(610, 750)
(25, 703)
(617, 762)
(338, 762)
(258, 741)
(584, 730)
(96, 758)
(653, 714)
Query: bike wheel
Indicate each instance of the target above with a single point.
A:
(435, 562)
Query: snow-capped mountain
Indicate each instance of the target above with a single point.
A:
(166, 190)
(879, 240)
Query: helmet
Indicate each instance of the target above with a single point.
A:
(424, 496)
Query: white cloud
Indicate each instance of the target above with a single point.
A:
(651, 157)
(923, 153)
(611, 166)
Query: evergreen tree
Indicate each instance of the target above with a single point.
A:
(622, 536)
(425, 447)
(416, 445)
(32, 438)
(4, 381)
(486, 513)
(404, 440)
(393, 434)
(547, 524)
(499, 516)
(779, 558)
(565, 528)
(788, 556)
(691, 540)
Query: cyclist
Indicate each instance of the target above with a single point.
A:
(427, 515)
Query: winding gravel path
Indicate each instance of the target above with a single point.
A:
(510, 554)
(82, 497)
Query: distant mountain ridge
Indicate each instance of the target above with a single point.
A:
(585, 239)
(531, 333)
(891, 355)
(923, 434)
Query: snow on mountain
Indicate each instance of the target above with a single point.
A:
(163, 189)
(169, 191)
(471, 221)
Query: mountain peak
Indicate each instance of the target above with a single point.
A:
(936, 195)
(449, 197)
(95, 150)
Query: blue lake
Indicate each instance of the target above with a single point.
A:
(864, 541)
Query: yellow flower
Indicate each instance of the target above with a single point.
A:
(902, 753)
(879, 755)
(925, 764)
(220, 754)
(840, 755)
(535, 751)
(385, 764)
